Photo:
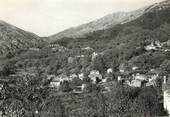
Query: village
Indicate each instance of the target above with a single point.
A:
(135, 77)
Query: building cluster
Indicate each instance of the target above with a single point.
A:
(135, 77)
(57, 47)
(158, 46)
(94, 76)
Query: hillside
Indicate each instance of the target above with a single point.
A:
(107, 22)
(152, 25)
(13, 38)
(127, 42)
(100, 24)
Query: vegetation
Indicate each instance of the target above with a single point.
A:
(26, 88)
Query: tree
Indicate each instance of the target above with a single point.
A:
(165, 67)
(26, 94)
(148, 103)
(53, 108)
(8, 69)
(65, 86)
(98, 64)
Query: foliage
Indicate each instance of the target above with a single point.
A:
(27, 93)
(65, 86)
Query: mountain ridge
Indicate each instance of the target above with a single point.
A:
(105, 22)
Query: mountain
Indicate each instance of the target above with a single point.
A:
(128, 42)
(13, 38)
(100, 24)
(106, 22)
(153, 24)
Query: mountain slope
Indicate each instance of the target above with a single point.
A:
(152, 25)
(100, 24)
(107, 22)
(13, 38)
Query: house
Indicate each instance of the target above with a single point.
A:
(63, 78)
(72, 76)
(87, 48)
(166, 44)
(106, 79)
(119, 78)
(154, 46)
(57, 47)
(153, 74)
(150, 47)
(55, 84)
(94, 55)
(80, 56)
(134, 68)
(138, 80)
(158, 44)
(81, 76)
(141, 77)
(110, 70)
(166, 94)
(138, 83)
(95, 76)
(84, 87)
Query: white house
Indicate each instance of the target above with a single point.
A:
(110, 70)
(55, 83)
(140, 77)
(151, 47)
(83, 87)
(95, 76)
(134, 68)
(81, 76)
(139, 80)
(136, 83)
(72, 76)
(119, 78)
(87, 48)
(94, 55)
(63, 77)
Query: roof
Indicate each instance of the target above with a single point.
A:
(141, 77)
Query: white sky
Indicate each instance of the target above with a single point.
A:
(46, 17)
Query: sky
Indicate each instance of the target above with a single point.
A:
(47, 17)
